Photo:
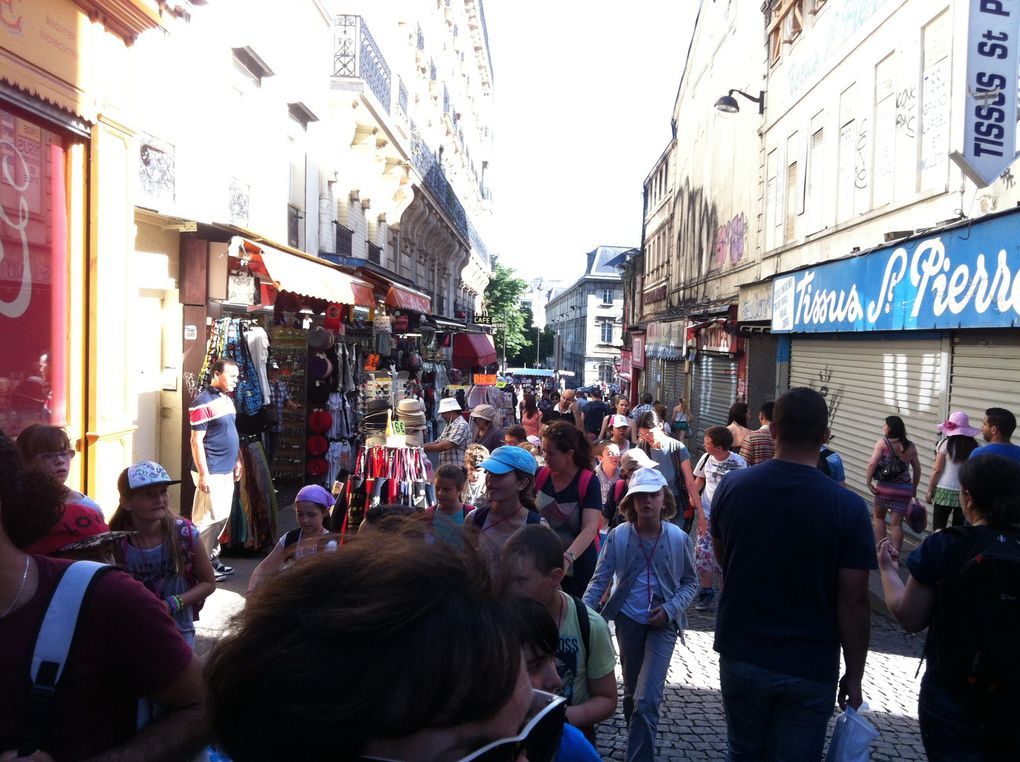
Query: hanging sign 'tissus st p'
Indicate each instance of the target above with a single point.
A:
(990, 101)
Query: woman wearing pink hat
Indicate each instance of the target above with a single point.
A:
(951, 453)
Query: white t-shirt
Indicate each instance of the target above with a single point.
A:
(713, 471)
(950, 476)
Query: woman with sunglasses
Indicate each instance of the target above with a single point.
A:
(326, 663)
(47, 450)
(647, 566)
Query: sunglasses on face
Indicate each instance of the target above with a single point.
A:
(539, 737)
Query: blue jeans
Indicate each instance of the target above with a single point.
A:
(771, 715)
(645, 653)
(953, 732)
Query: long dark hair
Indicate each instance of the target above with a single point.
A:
(959, 447)
(30, 504)
(566, 436)
(737, 414)
(321, 653)
(898, 430)
(994, 483)
(530, 407)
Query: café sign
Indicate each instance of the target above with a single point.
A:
(967, 277)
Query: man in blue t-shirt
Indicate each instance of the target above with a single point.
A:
(997, 428)
(795, 549)
(215, 459)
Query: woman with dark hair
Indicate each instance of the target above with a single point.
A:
(531, 416)
(47, 449)
(951, 453)
(648, 569)
(963, 587)
(896, 469)
(570, 499)
(323, 664)
(510, 483)
(736, 422)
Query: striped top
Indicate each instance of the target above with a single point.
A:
(213, 412)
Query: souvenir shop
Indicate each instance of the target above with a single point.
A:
(333, 388)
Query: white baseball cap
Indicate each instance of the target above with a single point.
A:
(619, 420)
(646, 480)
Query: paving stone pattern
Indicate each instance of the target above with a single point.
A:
(693, 726)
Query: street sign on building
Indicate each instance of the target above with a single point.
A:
(990, 100)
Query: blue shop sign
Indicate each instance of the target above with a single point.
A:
(966, 277)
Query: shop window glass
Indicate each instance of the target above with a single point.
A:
(33, 274)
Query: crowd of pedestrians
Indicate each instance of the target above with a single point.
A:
(483, 627)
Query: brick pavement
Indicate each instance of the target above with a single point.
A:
(693, 726)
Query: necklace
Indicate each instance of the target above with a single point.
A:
(497, 523)
(21, 588)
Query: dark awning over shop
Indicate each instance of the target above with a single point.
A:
(471, 349)
(403, 298)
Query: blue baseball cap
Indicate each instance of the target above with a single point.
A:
(509, 458)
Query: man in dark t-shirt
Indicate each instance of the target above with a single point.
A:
(795, 550)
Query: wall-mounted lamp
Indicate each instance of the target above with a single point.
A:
(728, 104)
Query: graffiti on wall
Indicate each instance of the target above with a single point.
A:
(906, 111)
(729, 241)
(700, 234)
(831, 395)
(698, 223)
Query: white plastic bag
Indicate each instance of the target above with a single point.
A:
(851, 737)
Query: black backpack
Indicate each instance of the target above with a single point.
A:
(976, 627)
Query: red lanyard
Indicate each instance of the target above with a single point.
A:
(649, 557)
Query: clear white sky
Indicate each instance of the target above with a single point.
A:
(584, 96)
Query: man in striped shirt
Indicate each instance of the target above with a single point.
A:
(759, 446)
(216, 464)
(453, 442)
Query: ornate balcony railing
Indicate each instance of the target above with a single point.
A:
(402, 99)
(356, 56)
(421, 39)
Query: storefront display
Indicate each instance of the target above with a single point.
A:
(34, 276)
(290, 353)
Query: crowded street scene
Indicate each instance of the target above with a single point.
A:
(506, 381)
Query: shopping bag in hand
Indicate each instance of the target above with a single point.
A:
(851, 737)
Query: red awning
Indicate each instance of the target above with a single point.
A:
(471, 349)
(364, 295)
(402, 298)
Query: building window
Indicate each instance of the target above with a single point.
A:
(607, 332)
(249, 69)
(607, 296)
(344, 241)
(374, 254)
(607, 372)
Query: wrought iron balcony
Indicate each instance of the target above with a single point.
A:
(356, 56)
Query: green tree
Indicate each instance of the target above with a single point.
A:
(502, 304)
(527, 356)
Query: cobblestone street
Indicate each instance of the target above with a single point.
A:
(693, 725)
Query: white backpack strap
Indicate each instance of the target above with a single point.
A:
(52, 645)
(61, 620)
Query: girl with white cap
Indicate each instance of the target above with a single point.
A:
(648, 567)
(161, 552)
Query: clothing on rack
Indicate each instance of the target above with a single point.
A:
(258, 348)
(252, 524)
